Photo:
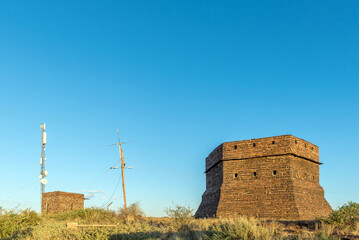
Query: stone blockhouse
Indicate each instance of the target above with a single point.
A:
(274, 178)
(54, 202)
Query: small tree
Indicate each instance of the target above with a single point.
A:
(133, 211)
(182, 216)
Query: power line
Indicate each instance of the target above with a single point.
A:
(98, 179)
(30, 196)
(18, 190)
(118, 183)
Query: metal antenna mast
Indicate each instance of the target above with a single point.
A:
(43, 172)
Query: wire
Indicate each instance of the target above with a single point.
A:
(98, 179)
(19, 189)
(11, 190)
(118, 182)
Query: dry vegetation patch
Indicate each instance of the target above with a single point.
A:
(132, 224)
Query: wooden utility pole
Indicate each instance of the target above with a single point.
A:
(123, 166)
(122, 170)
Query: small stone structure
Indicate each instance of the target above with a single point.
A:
(274, 178)
(54, 202)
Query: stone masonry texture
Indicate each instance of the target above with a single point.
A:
(274, 178)
(54, 202)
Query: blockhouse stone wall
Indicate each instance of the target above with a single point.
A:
(54, 202)
(273, 178)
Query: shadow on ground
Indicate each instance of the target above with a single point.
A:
(159, 235)
(138, 235)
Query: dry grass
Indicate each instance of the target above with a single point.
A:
(29, 225)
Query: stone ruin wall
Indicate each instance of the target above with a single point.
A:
(292, 193)
(54, 202)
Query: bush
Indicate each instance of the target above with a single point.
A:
(133, 211)
(88, 215)
(346, 216)
(182, 217)
(14, 223)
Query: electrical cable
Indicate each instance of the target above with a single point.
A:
(11, 190)
(18, 190)
(118, 182)
(30, 195)
(99, 178)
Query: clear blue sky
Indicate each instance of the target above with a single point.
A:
(177, 78)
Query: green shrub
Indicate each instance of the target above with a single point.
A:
(14, 223)
(182, 217)
(179, 212)
(346, 216)
(88, 215)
